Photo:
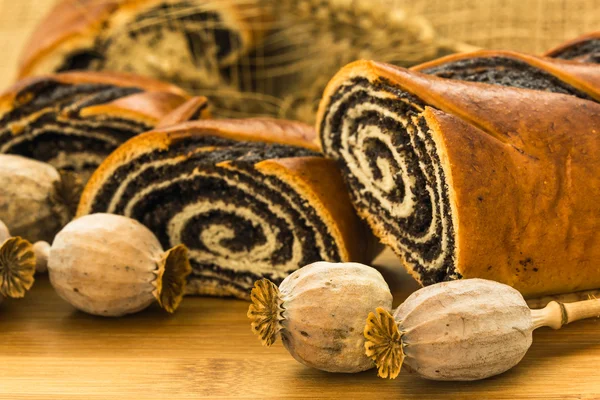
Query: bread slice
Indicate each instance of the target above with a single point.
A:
(249, 198)
(74, 120)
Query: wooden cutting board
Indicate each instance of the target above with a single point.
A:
(206, 350)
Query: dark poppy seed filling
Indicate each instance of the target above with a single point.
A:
(376, 133)
(504, 71)
(585, 51)
(46, 124)
(239, 223)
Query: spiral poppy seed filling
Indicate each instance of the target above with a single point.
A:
(585, 51)
(505, 72)
(239, 224)
(377, 135)
(46, 124)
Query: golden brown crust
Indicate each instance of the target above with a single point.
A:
(194, 109)
(523, 227)
(583, 76)
(146, 107)
(118, 79)
(74, 25)
(563, 46)
(255, 129)
(320, 181)
(479, 104)
(524, 167)
(267, 130)
(156, 102)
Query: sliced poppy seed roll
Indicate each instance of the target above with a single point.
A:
(470, 180)
(585, 48)
(204, 46)
(249, 198)
(519, 70)
(74, 120)
(249, 57)
(163, 38)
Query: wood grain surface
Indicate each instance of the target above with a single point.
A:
(206, 350)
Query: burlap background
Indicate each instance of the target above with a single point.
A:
(526, 25)
(17, 19)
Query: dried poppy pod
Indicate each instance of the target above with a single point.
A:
(74, 120)
(36, 200)
(42, 251)
(4, 232)
(585, 48)
(250, 198)
(319, 312)
(111, 265)
(462, 330)
(17, 264)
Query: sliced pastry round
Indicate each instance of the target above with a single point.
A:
(74, 120)
(508, 68)
(249, 198)
(166, 38)
(200, 45)
(585, 48)
(470, 180)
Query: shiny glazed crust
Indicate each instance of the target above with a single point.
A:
(571, 43)
(158, 100)
(583, 76)
(194, 109)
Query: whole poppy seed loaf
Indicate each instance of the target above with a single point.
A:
(74, 120)
(470, 180)
(249, 198)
